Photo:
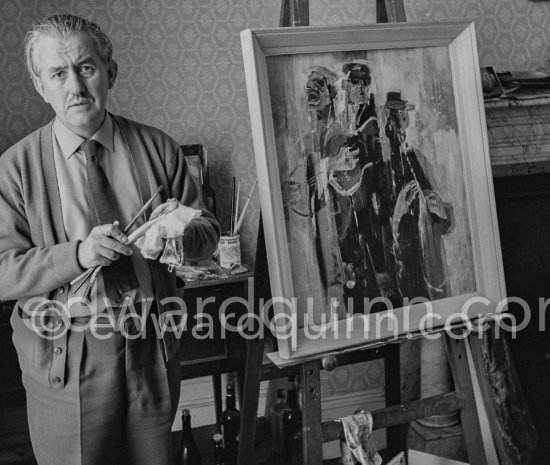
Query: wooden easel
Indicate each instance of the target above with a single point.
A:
(315, 432)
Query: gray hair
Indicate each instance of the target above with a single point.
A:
(61, 25)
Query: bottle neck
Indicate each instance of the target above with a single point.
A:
(281, 397)
(186, 424)
(292, 398)
(230, 402)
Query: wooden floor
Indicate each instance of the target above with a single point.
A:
(18, 451)
(19, 456)
(15, 449)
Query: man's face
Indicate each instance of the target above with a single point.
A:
(399, 120)
(74, 80)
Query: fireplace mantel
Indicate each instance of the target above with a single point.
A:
(519, 136)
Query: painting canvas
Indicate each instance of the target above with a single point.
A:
(194, 156)
(366, 159)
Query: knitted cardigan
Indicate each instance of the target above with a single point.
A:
(36, 259)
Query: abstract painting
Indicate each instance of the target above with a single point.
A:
(371, 199)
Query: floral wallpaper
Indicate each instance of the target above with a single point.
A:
(180, 68)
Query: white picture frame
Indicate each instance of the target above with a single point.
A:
(408, 61)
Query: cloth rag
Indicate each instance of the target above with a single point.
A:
(358, 441)
(169, 223)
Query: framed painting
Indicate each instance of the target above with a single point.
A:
(195, 156)
(197, 163)
(375, 182)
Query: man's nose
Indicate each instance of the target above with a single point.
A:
(76, 83)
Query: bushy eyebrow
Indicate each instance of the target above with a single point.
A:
(55, 69)
(84, 61)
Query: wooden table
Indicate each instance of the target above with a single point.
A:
(211, 351)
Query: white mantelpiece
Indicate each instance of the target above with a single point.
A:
(519, 136)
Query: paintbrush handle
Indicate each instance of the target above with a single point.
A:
(82, 277)
(136, 217)
(232, 218)
(236, 207)
(142, 210)
(241, 218)
(88, 292)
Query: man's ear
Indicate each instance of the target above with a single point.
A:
(112, 71)
(39, 87)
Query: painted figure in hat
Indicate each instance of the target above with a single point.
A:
(420, 217)
(365, 232)
(349, 183)
(321, 93)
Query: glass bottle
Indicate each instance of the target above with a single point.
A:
(292, 424)
(218, 449)
(231, 423)
(189, 452)
(276, 417)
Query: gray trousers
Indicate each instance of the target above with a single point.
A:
(117, 406)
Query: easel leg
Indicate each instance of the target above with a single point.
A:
(311, 413)
(217, 384)
(392, 374)
(294, 13)
(250, 397)
(390, 11)
(460, 370)
(253, 364)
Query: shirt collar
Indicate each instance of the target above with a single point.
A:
(69, 142)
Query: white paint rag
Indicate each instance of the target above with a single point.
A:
(168, 220)
(358, 444)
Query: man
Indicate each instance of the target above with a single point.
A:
(420, 216)
(64, 190)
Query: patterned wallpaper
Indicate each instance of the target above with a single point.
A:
(511, 34)
(180, 68)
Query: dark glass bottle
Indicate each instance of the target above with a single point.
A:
(276, 416)
(231, 423)
(189, 453)
(219, 456)
(292, 425)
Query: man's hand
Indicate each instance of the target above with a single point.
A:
(103, 246)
